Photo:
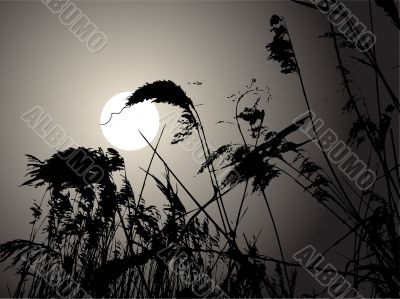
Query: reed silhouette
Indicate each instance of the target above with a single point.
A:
(109, 241)
(80, 223)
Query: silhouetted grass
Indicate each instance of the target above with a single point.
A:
(108, 239)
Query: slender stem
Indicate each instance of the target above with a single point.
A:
(185, 189)
(149, 166)
(395, 153)
(130, 244)
(236, 112)
(277, 238)
(223, 218)
(344, 193)
(214, 177)
(245, 143)
(210, 201)
(358, 112)
(241, 205)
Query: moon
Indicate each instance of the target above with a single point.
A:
(122, 131)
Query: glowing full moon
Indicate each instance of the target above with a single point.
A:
(123, 129)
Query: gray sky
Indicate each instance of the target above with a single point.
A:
(221, 44)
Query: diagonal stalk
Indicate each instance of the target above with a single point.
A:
(214, 179)
(185, 189)
(277, 239)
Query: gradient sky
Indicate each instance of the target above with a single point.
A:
(221, 44)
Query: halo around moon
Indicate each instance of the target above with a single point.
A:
(122, 131)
